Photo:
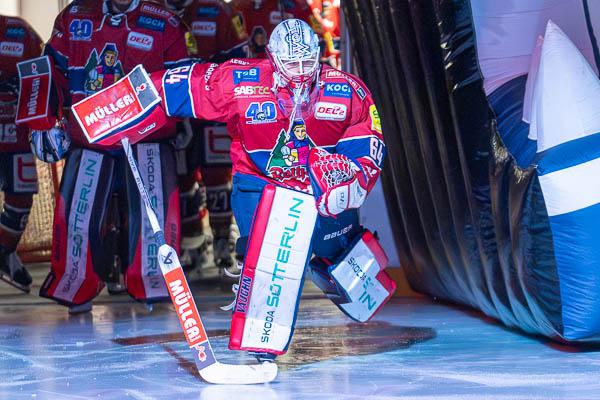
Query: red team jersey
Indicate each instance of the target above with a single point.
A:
(257, 19)
(212, 24)
(343, 118)
(18, 42)
(93, 49)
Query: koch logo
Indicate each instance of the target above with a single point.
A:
(12, 49)
(140, 41)
(204, 28)
(338, 90)
(331, 111)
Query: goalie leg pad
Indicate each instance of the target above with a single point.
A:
(79, 248)
(143, 277)
(278, 249)
(356, 282)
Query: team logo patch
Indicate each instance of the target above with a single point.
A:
(153, 24)
(81, 30)
(208, 12)
(140, 41)
(261, 113)
(375, 120)
(289, 156)
(245, 75)
(12, 49)
(331, 111)
(103, 71)
(338, 90)
(15, 33)
(204, 28)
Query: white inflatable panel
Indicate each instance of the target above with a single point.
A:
(566, 100)
(506, 34)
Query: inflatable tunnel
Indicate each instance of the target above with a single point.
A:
(491, 113)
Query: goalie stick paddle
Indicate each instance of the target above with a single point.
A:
(209, 368)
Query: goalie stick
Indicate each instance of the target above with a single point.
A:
(128, 111)
(209, 368)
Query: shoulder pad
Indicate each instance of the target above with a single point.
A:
(82, 7)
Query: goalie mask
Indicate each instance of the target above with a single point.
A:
(293, 50)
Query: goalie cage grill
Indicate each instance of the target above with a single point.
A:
(36, 243)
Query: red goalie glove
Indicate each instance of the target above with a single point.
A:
(338, 183)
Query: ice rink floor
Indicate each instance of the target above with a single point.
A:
(414, 349)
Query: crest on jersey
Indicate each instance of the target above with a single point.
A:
(102, 71)
(289, 156)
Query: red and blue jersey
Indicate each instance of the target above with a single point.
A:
(342, 118)
(18, 42)
(93, 46)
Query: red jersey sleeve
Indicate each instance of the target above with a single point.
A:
(363, 141)
(195, 91)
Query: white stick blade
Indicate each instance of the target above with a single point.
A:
(224, 374)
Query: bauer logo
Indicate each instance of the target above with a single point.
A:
(338, 90)
(331, 111)
(12, 49)
(140, 41)
(204, 28)
(245, 75)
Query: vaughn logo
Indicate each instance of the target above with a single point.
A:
(204, 28)
(140, 41)
(331, 111)
(12, 49)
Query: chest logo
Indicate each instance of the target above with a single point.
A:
(12, 49)
(102, 71)
(289, 156)
(81, 30)
(140, 41)
(204, 28)
(261, 113)
(331, 111)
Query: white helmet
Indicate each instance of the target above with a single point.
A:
(294, 51)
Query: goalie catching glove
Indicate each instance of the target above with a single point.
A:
(338, 183)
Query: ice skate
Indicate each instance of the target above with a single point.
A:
(14, 273)
(80, 308)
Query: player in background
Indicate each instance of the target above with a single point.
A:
(256, 19)
(208, 230)
(18, 175)
(98, 220)
(327, 15)
(281, 112)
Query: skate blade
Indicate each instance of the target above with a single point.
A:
(6, 278)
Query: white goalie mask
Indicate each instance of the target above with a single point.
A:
(294, 52)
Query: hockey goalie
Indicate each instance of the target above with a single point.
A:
(306, 149)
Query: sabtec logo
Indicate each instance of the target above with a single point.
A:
(12, 49)
(140, 41)
(102, 112)
(250, 91)
(331, 111)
